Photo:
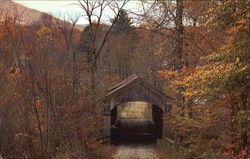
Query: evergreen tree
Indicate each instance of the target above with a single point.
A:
(123, 23)
(85, 43)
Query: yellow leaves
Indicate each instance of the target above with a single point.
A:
(190, 93)
(214, 78)
(45, 33)
(14, 73)
(237, 60)
(168, 73)
(183, 124)
(174, 78)
(247, 67)
(242, 21)
(175, 75)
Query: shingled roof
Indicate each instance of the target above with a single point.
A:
(131, 80)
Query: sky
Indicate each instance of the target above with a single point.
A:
(70, 8)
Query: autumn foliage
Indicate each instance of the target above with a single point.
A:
(52, 77)
(213, 110)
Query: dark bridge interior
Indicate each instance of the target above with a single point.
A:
(126, 131)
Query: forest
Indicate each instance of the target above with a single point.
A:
(53, 74)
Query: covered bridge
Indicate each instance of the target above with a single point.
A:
(133, 107)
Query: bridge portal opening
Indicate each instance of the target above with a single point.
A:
(136, 122)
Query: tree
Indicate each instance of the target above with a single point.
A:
(120, 52)
(123, 23)
(86, 40)
(226, 74)
(95, 50)
(179, 34)
(68, 30)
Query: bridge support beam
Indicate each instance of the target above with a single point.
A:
(164, 129)
(107, 127)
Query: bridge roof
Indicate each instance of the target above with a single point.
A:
(133, 80)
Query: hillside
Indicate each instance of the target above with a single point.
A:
(26, 15)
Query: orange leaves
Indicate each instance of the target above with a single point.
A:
(45, 33)
(168, 74)
(243, 154)
(111, 80)
(243, 21)
(176, 78)
(230, 152)
(13, 70)
(93, 143)
(233, 29)
(13, 73)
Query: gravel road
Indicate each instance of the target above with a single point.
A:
(135, 151)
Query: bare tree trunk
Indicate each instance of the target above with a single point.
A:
(93, 70)
(179, 34)
(89, 7)
(36, 112)
(244, 136)
(68, 30)
(233, 123)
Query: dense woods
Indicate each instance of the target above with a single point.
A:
(52, 76)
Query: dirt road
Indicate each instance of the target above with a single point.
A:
(135, 151)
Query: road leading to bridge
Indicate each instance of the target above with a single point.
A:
(135, 151)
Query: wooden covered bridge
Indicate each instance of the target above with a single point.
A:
(133, 107)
